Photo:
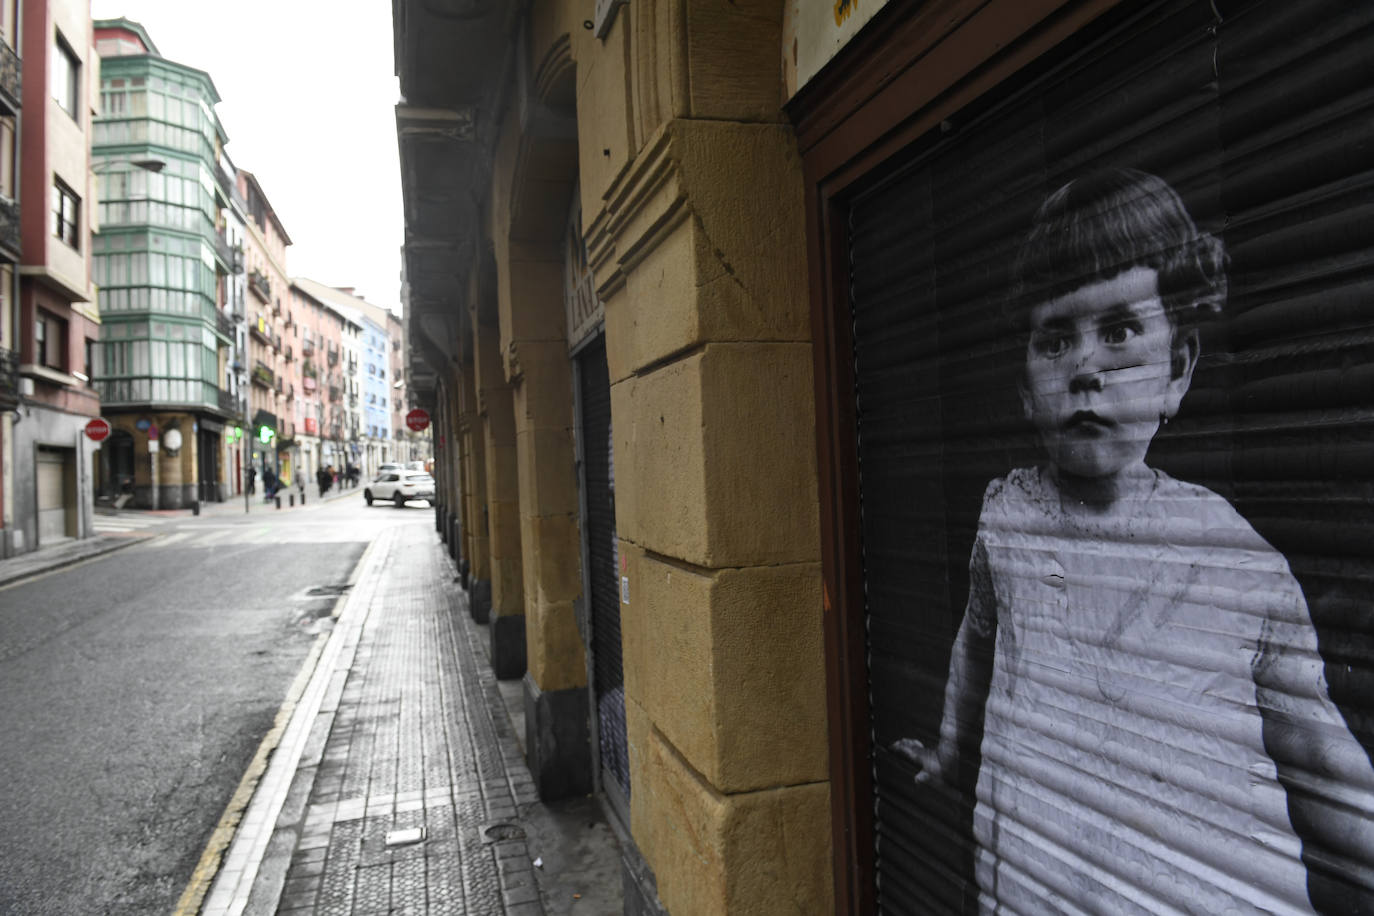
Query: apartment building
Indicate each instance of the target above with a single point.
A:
(56, 321)
(161, 261)
(11, 102)
(271, 357)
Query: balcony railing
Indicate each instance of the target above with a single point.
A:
(224, 252)
(9, 379)
(334, 393)
(308, 384)
(260, 285)
(225, 323)
(263, 376)
(11, 79)
(288, 356)
(333, 356)
(307, 348)
(261, 331)
(352, 400)
(228, 402)
(9, 226)
(352, 368)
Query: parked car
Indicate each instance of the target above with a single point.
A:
(400, 487)
(388, 468)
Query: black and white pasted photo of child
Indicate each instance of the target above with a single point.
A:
(1156, 728)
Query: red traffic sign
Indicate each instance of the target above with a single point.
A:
(152, 432)
(417, 419)
(98, 430)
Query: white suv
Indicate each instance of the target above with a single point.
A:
(400, 486)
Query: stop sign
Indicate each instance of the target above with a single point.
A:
(417, 419)
(98, 430)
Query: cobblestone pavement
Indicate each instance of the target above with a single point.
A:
(401, 727)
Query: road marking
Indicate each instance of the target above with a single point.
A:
(172, 539)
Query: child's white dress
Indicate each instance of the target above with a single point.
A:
(1123, 768)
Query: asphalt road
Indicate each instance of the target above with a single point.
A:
(137, 687)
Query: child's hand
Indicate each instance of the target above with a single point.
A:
(929, 768)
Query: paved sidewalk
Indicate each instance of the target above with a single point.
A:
(402, 727)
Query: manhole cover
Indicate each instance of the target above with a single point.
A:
(495, 833)
(323, 590)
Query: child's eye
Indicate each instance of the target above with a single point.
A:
(1050, 346)
(1119, 333)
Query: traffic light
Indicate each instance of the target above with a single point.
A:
(266, 434)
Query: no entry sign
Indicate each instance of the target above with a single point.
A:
(417, 419)
(98, 430)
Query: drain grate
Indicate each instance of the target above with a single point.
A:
(495, 833)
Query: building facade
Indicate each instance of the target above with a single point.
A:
(57, 321)
(271, 355)
(161, 260)
(860, 534)
(11, 103)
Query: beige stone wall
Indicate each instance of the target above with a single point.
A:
(699, 249)
(502, 484)
(531, 192)
(474, 475)
(691, 193)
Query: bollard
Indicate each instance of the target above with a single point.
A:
(195, 508)
(292, 498)
(278, 501)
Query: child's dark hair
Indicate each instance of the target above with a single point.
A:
(1097, 226)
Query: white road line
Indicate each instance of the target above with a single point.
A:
(172, 539)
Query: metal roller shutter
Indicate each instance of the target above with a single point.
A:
(601, 581)
(1261, 116)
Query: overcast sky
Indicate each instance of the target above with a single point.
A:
(308, 93)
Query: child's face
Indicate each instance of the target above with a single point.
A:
(1101, 372)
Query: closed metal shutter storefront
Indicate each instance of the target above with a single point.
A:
(52, 495)
(602, 550)
(1122, 755)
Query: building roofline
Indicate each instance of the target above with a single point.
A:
(267, 202)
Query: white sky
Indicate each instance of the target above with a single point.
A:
(308, 95)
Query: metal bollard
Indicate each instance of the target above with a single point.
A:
(292, 498)
(277, 499)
